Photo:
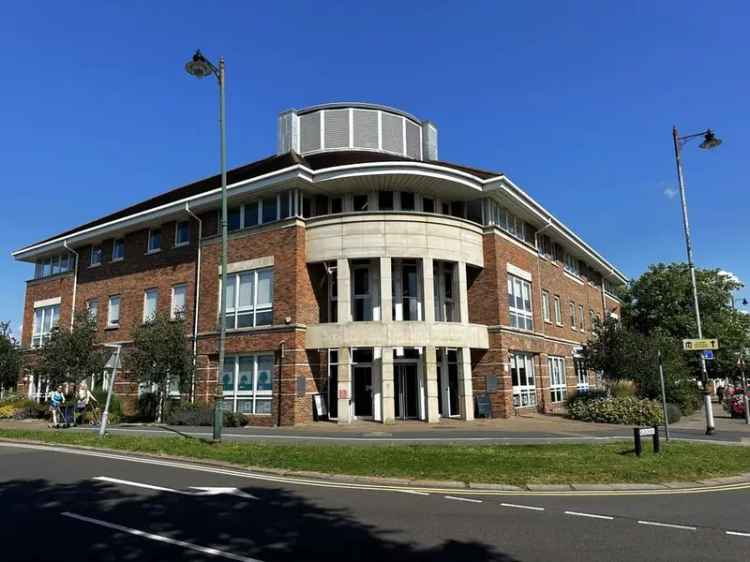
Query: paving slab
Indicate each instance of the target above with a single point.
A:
(548, 487)
(437, 483)
(490, 486)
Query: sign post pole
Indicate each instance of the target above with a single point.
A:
(663, 397)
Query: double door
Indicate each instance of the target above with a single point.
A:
(406, 385)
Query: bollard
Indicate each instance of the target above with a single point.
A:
(657, 446)
(637, 439)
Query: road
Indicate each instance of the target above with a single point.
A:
(99, 506)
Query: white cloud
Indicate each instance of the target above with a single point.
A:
(670, 192)
(730, 275)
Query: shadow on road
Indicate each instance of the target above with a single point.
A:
(279, 526)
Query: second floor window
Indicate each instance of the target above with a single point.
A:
(519, 303)
(118, 249)
(150, 301)
(113, 312)
(445, 288)
(558, 311)
(179, 301)
(92, 308)
(182, 234)
(573, 315)
(46, 319)
(249, 299)
(581, 317)
(96, 255)
(154, 240)
(545, 306)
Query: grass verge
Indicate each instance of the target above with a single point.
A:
(507, 464)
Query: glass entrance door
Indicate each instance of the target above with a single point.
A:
(407, 391)
(362, 391)
(447, 363)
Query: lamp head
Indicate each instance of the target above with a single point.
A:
(198, 66)
(710, 141)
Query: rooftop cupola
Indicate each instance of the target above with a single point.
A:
(356, 126)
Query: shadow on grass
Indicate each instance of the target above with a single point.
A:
(279, 526)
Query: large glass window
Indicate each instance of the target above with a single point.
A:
(582, 375)
(270, 209)
(558, 390)
(179, 301)
(361, 202)
(558, 311)
(150, 300)
(444, 285)
(407, 201)
(53, 266)
(96, 257)
(92, 308)
(571, 264)
(249, 299)
(545, 306)
(519, 303)
(573, 315)
(154, 240)
(182, 234)
(522, 377)
(385, 201)
(407, 293)
(118, 249)
(361, 297)
(248, 383)
(113, 311)
(46, 319)
(428, 205)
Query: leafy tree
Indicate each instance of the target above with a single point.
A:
(71, 356)
(161, 356)
(10, 358)
(662, 299)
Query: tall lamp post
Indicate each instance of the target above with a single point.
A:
(709, 141)
(200, 67)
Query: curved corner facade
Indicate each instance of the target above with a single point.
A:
(366, 281)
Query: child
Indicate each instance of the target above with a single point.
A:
(84, 398)
(56, 400)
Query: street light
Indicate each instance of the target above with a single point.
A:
(709, 141)
(200, 67)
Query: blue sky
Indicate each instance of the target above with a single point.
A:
(573, 100)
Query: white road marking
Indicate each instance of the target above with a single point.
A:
(592, 515)
(199, 491)
(737, 534)
(532, 507)
(140, 485)
(670, 525)
(471, 500)
(215, 491)
(161, 538)
(414, 492)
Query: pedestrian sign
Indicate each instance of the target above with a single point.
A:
(699, 345)
(708, 355)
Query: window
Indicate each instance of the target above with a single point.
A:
(519, 303)
(337, 205)
(113, 312)
(150, 300)
(248, 384)
(428, 205)
(446, 208)
(592, 319)
(92, 308)
(251, 214)
(362, 300)
(53, 266)
(269, 213)
(385, 201)
(458, 209)
(558, 311)
(407, 201)
(96, 257)
(522, 377)
(571, 265)
(547, 248)
(154, 240)
(361, 202)
(234, 219)
(249, 297)
(545, 306)
(287, 204)
(573, 315)
(580, 318)
(46, 319)
(582, 376)
(182, 234)
(558, 390)
(406, 289)
(118, 249)
(179, 301)
(321, 205)
(333, 294)
(444, 287)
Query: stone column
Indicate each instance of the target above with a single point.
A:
(386, 291)
(345, 386)
(465, 392)
(388, 388)
(428, 291)
(343, 282)
(431, 378)
(463, 293)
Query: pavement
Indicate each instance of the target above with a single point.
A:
(62, 503)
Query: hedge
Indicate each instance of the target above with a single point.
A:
(625, 410)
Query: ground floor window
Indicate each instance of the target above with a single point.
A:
(248, 383)
(582, 375)
(558, 391)
(522, 377)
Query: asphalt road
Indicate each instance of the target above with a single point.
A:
(96, 506)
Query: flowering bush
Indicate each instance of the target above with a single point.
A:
(7, 411)
(735, 404)
(626, 410)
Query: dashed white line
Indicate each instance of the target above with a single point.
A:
(531, 507)
(470, 500)
(670, 525)
(591, 515)
(737, 534)
(161, 538)
(414, 492)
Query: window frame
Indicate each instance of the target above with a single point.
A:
(582, 377)
(234, 309)
(524, 395)
(151, 232)
(558, 310)
(254, 395)
(520, 318)
(557, 385)
(572, 310)
(117, 322)
(581, 318)
(96, 250)
(177, 242)
(42, 329)
(545, 306)
(146, 294)
(95, 302)
(174, 314)
(115, 243)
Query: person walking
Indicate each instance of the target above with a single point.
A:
(56, 400)
(84, 399)
(720, 393)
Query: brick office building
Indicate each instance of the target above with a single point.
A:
(361, 269)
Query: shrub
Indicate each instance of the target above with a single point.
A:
(673, 413)
(623, 389)
(11, 397)
(148, 404)
(7, 411)
(202, 414)
(629, 410)
(115, 406)
(28, 409)
(234, 419)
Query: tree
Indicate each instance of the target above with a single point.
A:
(71, 356)
(10, 358)
(662, 299)
(161, 356)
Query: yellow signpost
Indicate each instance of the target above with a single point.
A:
(700, 345)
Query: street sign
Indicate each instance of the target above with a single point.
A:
(646, 431)
(699, 345)
(708, 355)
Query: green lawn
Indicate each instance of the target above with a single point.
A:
(508, 464)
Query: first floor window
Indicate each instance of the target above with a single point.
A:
(545, 306)
(572, 315)
(248, 383)
(179, 301)
(118, 249)
(580, 317)
(96, 255)
(522, 377)
(249, 297)
(444, 280)
(582, 375)
(182, 233)
(558, 390)
(150, 300)
(113, 312)
(519, 303)
(92, 307)
(558, 311)
(46, 319)
(154, 240)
